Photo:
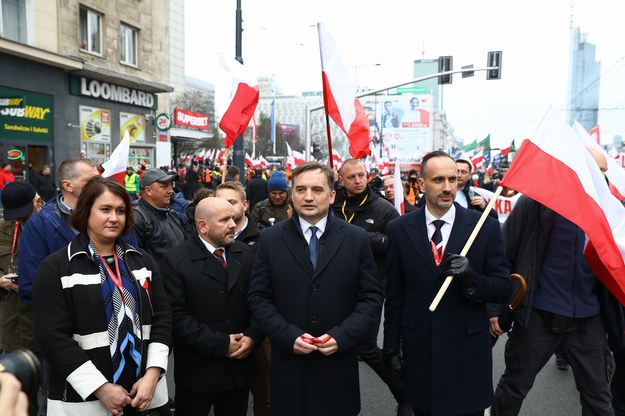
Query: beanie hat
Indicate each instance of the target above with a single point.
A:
(17, 199)
(277, 182)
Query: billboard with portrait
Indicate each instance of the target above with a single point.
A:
(402, 125)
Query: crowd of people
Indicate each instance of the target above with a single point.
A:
(277, 289)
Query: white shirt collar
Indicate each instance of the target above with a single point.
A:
(305, 225)
(211, 249)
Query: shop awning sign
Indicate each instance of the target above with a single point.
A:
(11, 102)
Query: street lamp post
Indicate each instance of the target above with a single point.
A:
(238, 149)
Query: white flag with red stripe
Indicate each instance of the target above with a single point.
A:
(554, 168)
(339, 96)
(398, 189)
(118, 162)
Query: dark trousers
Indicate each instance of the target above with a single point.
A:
(371, 354)
(227, 403)
(618, 383)
(419, 413)
(259, 384)
(528, 350)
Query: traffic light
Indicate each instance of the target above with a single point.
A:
(315, 150)
(494, 59)
(445, 63)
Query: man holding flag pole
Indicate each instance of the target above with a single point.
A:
(447, 354)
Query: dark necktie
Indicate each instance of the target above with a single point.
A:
(219, 254)
(437, 241)
(313, 246)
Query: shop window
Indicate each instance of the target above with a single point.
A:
(13, 24)
(128, 45)
(90, 31)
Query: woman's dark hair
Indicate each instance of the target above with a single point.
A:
(95, 187)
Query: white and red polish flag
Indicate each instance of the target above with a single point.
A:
(339, 96)
(554, 168)
(398, 189)
(336, 159)
(245, 94)
(615, 173)
(118, 162)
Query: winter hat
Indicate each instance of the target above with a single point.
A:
(277, 182)
(17, 199)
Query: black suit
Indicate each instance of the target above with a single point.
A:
(208, 303)
(447, 354)
(341, 297)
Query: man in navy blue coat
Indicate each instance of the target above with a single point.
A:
(315, 293)
(447, 354)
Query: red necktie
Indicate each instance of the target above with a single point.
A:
(219, 254)
(437, 242)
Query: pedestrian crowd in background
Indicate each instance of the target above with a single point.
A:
(277, 288)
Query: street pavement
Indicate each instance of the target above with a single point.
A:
(553, 394)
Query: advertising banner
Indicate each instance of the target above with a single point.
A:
(190, 119)
(26, 116)
(135, 124)
(401, 124)
(95, 124)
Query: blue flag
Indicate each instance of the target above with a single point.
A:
(272, 117)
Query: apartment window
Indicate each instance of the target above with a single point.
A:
(90, 31)
(128, 45)
(13, 24)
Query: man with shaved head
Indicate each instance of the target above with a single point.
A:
(207, 280)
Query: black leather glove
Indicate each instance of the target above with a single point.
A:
(393, 363)
(459, 267)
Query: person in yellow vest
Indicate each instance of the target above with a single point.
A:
(412, 189)
(131, 182)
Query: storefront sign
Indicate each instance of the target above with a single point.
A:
(111, 92)
(11, 102)
(190, 119)
(163, 122)
(32, 121)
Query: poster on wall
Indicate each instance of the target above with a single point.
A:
(401, 125)
(95, 124)
(135, 124)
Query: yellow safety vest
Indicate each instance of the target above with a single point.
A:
(130, 182)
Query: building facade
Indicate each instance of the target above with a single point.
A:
(584, 81)
(82, 74)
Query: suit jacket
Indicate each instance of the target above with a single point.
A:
(208, 303)
(341, 297)
(447, 354)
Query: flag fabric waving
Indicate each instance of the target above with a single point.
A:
(339, 96)
(118, 162)
(595, 133)
(554, 168)
(398, 187)
(245, 94)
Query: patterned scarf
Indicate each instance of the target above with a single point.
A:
(122, 313)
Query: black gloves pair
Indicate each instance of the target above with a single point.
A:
(459, 267)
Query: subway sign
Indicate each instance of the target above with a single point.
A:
(111, 92)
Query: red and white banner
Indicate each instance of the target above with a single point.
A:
(245, 94)
(503, 205)
(339, 96)
(190, 119)
(398, 189)
(554, 168)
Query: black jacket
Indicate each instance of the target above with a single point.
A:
(45, 186)
(371, 212)
(208, 303)
(70, 319)
(158, 230)
(250, 235)
(256, 191)
(525, 234)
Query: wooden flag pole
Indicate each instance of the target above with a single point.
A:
(223, 165)
(466, 248)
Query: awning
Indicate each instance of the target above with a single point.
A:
(186, 134)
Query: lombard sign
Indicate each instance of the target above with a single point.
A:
(110, 92)
(30, 122)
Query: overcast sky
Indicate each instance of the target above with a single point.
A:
(278, 41)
